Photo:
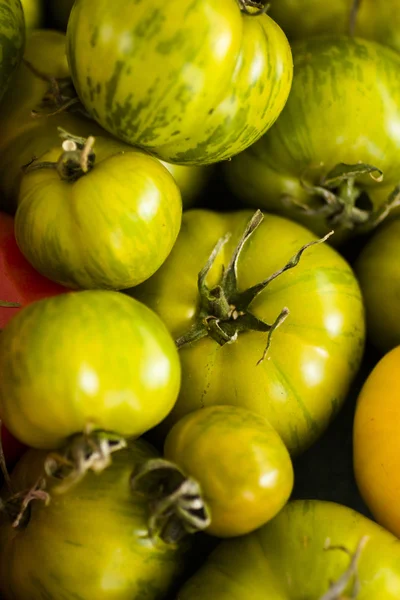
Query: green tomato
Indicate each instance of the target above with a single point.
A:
(243, 467)
(313, 355)
(90, 543)
(299, 555)
(23, 137)
(348, 85)
(12, 40)
(33, 11)
(378, 272)
(92, 358)
(190, 180)
(301, 19)
(191, 82)
(108, 224)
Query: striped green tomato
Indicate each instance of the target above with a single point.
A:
(90, 543)
(191, 81)
(93, 358)
(111, 227)
(33, 11)
(341, 109)
(300, 383)
(12, 40)
(301, 19)
(300, 555)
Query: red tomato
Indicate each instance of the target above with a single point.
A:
(19, 282)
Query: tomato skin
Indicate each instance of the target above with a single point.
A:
(101, 231)
(19, 282)
(314, 354)
(242, 465)
(352, 83)
(302, 19)
(120, 368)
(33, 12)
(286, 560)
(209, 80)
(12, 40)
(376, 441)
(63, 550)
(378, 273)
(190, 180)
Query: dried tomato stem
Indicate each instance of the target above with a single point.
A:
(337, 589)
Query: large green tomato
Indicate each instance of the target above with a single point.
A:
(313, 355)
(378, 272)
(299, 556)
(33, 11)
(301, 19)
(23, 137)
(110, 223)
(341, 110)
(92, 358)
(12, 40)
(191, 82)
(90, 543)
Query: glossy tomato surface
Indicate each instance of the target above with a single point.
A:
(112, 227)
(313, 355)
(301, 19)
(191, 82)
(376, 441)
(288, 558)
(33, 12)
(92, 358)
(340, 110)
(90, 543)
(378, 271)
(19, 282)
(240, 462)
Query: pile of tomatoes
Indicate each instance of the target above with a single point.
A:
(199, 227)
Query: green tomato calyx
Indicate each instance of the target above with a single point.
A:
(4, 304)
(76, 159)
(337, 195)
(224, 311)
(18, 506)
(338, 588)
(176, 504)
(90, 451)
(253, 9)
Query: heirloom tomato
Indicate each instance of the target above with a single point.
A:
(242, 465)
(331, 161)
(33, 12)
(19, 282)
(91, 543)
(191, 82)
(209, 294)
(23, 137)
(301, 19)
(378, 272)
(92, 358)
(12, 40)
(103, 216)
(376, 441)
(303, 554)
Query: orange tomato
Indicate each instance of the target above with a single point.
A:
(376, 439)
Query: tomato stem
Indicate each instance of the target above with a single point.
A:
(224, 310)
(90, 451)
(17, 506)
(177, 507)
(253, 9)
(4, 304)
(77, 158)
(336, 590)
